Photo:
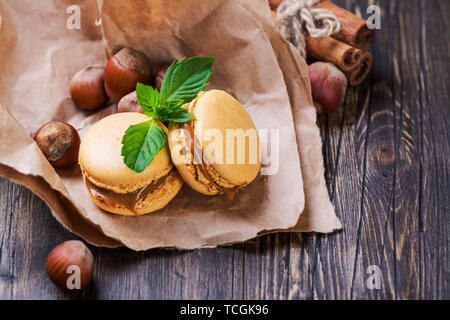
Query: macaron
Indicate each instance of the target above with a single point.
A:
(218, 151)
(111, 184)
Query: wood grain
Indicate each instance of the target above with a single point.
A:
(387, 167)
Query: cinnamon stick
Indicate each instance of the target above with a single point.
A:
(355, 63)
(354, 29)
(345, 57)
(357, 75)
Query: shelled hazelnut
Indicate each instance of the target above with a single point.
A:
(87, 89)
(328, 86)
(129, 103)
(59, 142)
(70, 265)
(124, 70)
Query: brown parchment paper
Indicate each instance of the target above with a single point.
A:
(39, 55)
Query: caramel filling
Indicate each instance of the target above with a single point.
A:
(230, 192)
(127, 200)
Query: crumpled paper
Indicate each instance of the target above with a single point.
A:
(40, 54)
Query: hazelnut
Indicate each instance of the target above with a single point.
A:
(124, 70)
(59, 142)
(70, 265)
(129, 103)
(159, 76)
(87, 89)
(274, 4)
(328, 86)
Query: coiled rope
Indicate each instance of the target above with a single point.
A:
(299, 18)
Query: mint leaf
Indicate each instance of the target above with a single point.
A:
(141, 143)
(148, 98)
(167, 110)
(181, 115)
(186, 78)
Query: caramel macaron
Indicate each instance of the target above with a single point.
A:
(226, 163)
(112, 185)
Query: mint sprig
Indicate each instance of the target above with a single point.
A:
(182, 82)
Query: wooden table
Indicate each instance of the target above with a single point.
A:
(387, 167)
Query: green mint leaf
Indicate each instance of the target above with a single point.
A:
(165, 111)
(141, 143)
(184, 79)
(173, 111)
(148, 98)
(174, 105)
(181, 115)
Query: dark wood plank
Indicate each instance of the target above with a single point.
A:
(265, 269)
(161, 274)
(435, 143)
(346, 132)
(377, 238)
(408, 170)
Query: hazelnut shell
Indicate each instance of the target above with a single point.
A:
(59, 142)
(87, 89)
(65, 255)
(124, 70)
(129, 103)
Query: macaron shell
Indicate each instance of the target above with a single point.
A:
(183, 163)
(188, 174)
(217, 109)
(155, 200)
(102, 163)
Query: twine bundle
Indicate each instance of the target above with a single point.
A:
(299, 18)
